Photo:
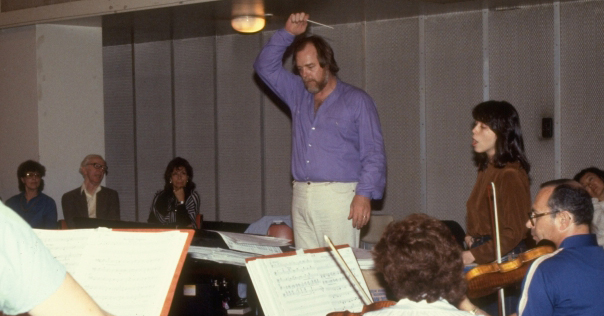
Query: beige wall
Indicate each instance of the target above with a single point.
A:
(64, 96)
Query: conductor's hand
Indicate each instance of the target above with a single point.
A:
(360, 211)
(296, 23)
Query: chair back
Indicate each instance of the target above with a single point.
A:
(372, 232)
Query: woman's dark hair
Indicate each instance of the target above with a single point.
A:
(324, 53)
(175, 164)
(420, 259)
(502, 118)
(593, 170)
(30, 166)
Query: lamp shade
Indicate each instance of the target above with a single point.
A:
(248, 23)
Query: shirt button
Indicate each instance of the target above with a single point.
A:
(309, 145)
(307, 161)
(313, 128)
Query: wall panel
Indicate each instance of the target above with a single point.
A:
(120, 148)
(453, 88)
(194, 92)
(392, 61)
(153, 90)
(521, 63)
(239, 130)
(582, 79)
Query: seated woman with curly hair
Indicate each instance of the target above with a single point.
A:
(423, 267)
(178, 203)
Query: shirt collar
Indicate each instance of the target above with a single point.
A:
(83, 189)
(579, 241)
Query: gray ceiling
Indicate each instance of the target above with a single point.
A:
(213, 18)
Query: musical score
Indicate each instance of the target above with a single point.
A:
(305, 284)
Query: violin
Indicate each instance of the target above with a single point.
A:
(488, 278)
(366, 309)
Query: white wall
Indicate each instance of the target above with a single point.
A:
(18, 104)
(64, 82)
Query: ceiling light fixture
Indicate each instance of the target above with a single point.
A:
(248, 23)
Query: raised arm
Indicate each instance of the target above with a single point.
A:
(269, 63)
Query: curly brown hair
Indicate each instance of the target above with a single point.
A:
(420, 260)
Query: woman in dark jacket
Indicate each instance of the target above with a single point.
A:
(178, 203)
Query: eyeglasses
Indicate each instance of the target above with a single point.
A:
(31, 175)
(533, 215)
(99, 166)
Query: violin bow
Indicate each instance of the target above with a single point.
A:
(366, 298)
(498, 244)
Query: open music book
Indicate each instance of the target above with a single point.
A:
(126, 271)
(306, 283)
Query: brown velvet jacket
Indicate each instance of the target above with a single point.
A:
(513, 205)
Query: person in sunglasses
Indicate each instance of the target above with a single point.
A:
(91, 199)
(36, 208)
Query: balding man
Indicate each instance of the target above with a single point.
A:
(571, 280)
(91, 199)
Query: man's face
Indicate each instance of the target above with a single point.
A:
(314, 76)
(92, 174)
(544, 226)
(593, 185)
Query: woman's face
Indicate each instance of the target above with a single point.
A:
(179, 178)
(593, 185)
(483, 139)
(31, 181)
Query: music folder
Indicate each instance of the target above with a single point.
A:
(309, 282)
(126, 271)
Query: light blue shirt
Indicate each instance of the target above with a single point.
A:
(29, 274)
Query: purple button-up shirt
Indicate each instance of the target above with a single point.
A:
(343, 142)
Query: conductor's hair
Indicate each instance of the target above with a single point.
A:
(325, 53)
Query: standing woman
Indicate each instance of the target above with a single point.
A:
(500, 158)
(36, 208)
(178, 203)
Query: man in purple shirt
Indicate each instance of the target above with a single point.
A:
(338, 159)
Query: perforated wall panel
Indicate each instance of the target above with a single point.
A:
(194, 115)
(453, 88)
(239, 131)
(119, 126)
(521, 64)
(582, 79)
(276, 131)
(392, 57)
(153, 90)
(347, 41)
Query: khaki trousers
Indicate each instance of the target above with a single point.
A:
(322, 208)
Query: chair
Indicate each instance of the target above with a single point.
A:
(372, 232)
(458, 233)
(62, 224)
(199, 220)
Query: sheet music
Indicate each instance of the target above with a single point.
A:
(126, 273)
(220, 255)
(262, 245)
(309, 284)
(67, 246)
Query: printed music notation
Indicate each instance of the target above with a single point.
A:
(308, 284)
(126, 273)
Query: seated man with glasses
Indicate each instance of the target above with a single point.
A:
(91, 199)
(569, 281)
